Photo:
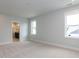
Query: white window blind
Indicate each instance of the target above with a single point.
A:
(33, 27)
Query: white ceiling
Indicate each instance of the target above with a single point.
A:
(30, 8)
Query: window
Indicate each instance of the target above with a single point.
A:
(33, 27)
(72, 25)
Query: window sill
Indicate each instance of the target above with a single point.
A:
(73, 36)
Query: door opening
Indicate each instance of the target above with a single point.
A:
(15, 31)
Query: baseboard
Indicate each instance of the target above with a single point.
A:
(5, 43)
(57, 45)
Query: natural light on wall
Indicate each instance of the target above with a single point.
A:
(33, 27)
(72, 26)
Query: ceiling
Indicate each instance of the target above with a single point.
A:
(31, 8)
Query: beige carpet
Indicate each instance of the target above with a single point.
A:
(35, 50)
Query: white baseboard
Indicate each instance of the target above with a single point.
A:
(5, 43)
(57, 45)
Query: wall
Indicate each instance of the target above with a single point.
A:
(50, 28)
(5, 28)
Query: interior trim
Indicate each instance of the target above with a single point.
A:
(57, 45)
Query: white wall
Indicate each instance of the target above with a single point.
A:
(50, 28)
(5, 28)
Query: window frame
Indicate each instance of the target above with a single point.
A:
(67, 27)
(33, 27)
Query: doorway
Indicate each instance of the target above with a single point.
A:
(15, 31)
